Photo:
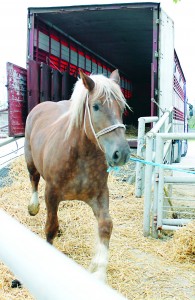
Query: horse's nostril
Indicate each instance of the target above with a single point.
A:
(116, 156)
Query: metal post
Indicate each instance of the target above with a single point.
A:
(139, 184)
(139, 166)
(158, 186)
(160, 198)
(148, 185)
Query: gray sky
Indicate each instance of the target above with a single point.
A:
(13, 16)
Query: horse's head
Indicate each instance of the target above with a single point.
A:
(104, 107)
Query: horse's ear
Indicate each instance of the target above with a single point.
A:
(115, 76)
(87, 81)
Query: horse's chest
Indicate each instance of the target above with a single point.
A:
(84, 181)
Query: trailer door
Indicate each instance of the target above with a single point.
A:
(166, 61)
(17, 99)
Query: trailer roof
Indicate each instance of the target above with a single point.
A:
(120, 33)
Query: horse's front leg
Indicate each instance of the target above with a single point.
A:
(52, 200)
(99, 263)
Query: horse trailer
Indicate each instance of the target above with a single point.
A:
(135, 38)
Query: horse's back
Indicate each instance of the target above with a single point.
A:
(45, 114)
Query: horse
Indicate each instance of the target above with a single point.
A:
(71, 144)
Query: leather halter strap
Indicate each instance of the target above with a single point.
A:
(109, 128)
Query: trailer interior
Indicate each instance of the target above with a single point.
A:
(118, 36)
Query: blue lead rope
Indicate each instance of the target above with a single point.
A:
(146, 162)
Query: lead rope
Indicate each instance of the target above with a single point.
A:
(101, 132)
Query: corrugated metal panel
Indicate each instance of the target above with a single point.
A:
(33, 84)
(17, 99)
(63, 55)
(56, 79)
(68, 82)
(45, 83)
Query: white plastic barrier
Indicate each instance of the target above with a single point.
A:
(43, 270)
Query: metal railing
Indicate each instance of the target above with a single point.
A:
(156, 146)
(160, 179)
(146, 146)
(3, 122)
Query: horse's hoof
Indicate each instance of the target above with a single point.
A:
(100, 276)
(16, 284)
(33, 209)
(60, 232)
(97, 272)
(92, 268)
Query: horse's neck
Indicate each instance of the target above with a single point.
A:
(81, 145)
(85, 145)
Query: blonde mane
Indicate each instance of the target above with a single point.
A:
(104, 88)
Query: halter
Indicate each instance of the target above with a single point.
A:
(103, 131)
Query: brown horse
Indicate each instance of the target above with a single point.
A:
(71, 144)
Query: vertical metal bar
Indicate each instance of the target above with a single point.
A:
(158, 186)
(140, 166)
(154, 64)
(160, 198)
(30, 36)
(37, 47)
(154, 233)
(152, 91)
(141, 152)
(77, 60)
(49, 45)
(85, 60)
(148, 185)
(33, 84)
(60, 58)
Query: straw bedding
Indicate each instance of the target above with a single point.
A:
(139, 267)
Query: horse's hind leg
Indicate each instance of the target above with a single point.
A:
(100, 208)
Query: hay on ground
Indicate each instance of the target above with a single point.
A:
(182, 246)
(139, 267)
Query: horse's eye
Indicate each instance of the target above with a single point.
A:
(95, 107)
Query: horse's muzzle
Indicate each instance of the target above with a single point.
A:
(119, 157)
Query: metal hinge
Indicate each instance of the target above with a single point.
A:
(154, 101)
(157, 21)
(156, 54)
(157, 177)
(29, 25)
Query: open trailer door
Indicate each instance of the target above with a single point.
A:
(17, 99)
(166, 61)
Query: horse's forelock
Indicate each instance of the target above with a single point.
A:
(104, 88)
(109, 90)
